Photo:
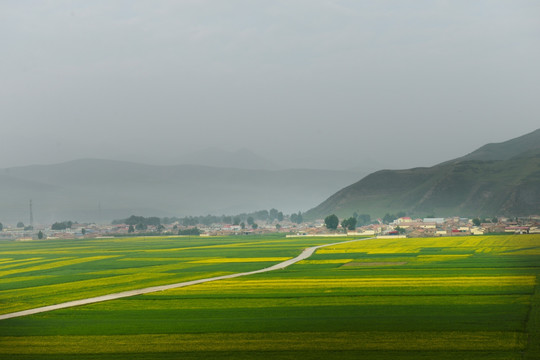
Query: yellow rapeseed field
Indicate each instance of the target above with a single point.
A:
(328, 261)
(55, 264)
(246, 284)
(474, 244)
(238, 260)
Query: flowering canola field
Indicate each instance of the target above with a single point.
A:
(437, 298)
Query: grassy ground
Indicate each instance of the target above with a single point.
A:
(444, 298)
(41, 273)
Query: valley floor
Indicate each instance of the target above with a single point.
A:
(466, 298)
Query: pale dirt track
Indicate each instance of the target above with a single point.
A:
(304, 255)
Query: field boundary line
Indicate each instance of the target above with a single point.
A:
(306, 253)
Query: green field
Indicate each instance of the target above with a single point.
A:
(435, 298)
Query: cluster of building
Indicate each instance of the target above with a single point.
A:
(401, 227)
(452, 226)
(45, 232)
(433, 227)
(92, 230)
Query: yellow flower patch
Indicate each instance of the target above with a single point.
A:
(23, 262)
(239, 260)
(25, 278)
(478, 244)
(247, 284)
(54, 264)
(157, 259)
(328, 261)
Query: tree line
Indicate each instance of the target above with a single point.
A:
(332, 222)
(351, 223)
(271, 215)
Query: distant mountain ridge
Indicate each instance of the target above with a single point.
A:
(240, 159)
(102, 190)
(507, 149)
(496, 179)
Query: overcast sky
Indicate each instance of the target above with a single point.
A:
(398, 83)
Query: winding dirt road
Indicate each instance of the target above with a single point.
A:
(282, 265)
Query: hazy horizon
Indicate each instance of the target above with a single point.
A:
(325, 84)
(244, 158)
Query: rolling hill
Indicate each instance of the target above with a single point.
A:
(496, 179)
(217, 157)
(102, 190)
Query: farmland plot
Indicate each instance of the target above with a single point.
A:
(444, 298)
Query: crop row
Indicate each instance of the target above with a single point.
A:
(444, 298)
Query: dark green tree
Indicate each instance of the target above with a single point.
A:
(261, 215)
(62, 225)
(20, 224)
(193, 231)
(349, 224)
(131, 229)
(134, 220)
(208, 220)
(293, 217)
(400, 230)
(476, 221)
(331, 222)
(273, 214)
(155, 221)
(1, 227)
(227, 219)
(250, 221)
(297, 218)
(363, 219)
(83, 231)
(388, 218)
(254, 226)
(141, 226)
(40, 235)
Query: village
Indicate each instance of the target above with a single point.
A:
(402, 227)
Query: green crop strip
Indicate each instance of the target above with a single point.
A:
(444, 298)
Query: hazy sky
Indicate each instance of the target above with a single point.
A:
(399, 83)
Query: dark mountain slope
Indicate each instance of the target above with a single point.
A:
(507, 149)
(460, 187)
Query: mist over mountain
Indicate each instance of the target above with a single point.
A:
(496, 179)
(102, 190)
(218, 157)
